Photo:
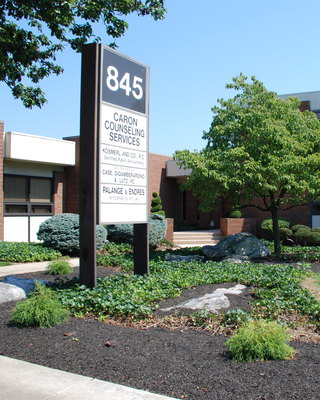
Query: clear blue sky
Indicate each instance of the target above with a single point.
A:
(192, 54)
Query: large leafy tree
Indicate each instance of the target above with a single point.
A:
(261, 150)
(32, 32)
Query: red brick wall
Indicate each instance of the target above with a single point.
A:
(230, 226)
(1, 178)
(305, 105)
(167, 188)
(58, 192)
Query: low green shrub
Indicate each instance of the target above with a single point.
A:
(316, 230)
(124, 233)
(41, 309)
(296, 228)
(59, 267)
(260, 340)
(267, 228)
(285, 233)
(313, 239)
(61, 232)
(26, 252)
(235, 214)
(302, 236)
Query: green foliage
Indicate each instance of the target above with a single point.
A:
(28, 53)
(296, 228)
(267, 228)
(202, 318)
(138, 296)
(59, 267)
(313, 238)
(235, 318)
(124, 233)
(41, 309)
(112, 248)
(156, 204)
(61, 232)
(259, 146)
(266, 224)
(26, 252)
(236, 214)
(302, 236)
(260, 340)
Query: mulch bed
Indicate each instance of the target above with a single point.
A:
(183, 363)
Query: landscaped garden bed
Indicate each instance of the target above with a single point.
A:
(119, 334)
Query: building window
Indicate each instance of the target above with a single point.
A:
(24, 195)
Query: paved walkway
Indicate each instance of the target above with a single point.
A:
(25, 268)
(20, 380)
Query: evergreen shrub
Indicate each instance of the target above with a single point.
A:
(41, 309)
(296, 228)
(260, 340)
(267, 229)
(59, 267)
(123, 233)
(156, 204)
(302, 236)
(313, 238)
(236, 214)
(61, 232)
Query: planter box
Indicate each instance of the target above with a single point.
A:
(230, 226)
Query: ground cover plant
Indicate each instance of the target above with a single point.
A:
(26, 252)
(276, 289)
(295, 253)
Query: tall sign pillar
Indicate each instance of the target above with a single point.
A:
(113, 151)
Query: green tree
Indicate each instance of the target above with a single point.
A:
(259, 147)
(32, 32)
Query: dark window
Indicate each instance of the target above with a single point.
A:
(27, 195)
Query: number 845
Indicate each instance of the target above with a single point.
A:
(114, 84)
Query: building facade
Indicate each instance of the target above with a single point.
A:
(39, 177)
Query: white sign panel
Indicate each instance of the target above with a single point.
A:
(123, 141)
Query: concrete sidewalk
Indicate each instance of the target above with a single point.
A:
(25, 268)
(20, 380)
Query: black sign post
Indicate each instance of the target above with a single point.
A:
(113, 153)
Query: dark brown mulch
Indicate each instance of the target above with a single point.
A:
(185, 364)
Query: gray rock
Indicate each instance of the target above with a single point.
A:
(241, 244)
(10, 293)
(177, 257)
(212, 302)
(27, 285)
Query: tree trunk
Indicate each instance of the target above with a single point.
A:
(276, 231)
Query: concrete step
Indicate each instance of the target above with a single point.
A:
(197, 238)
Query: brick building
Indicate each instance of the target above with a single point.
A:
(39, 177)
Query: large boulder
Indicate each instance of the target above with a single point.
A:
(239, 246)
(27, 285)
(10, 293)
